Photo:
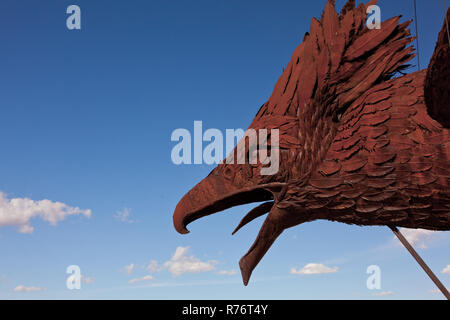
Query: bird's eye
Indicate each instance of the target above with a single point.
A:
(228, 173)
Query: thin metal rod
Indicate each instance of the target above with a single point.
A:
(446, 21)
(422, 263)
(417, 35)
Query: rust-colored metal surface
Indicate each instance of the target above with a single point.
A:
(356, 145)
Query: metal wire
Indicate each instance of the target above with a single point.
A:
(446, 21)
(420, 261)
(417, 35)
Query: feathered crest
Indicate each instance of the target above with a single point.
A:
(338, 60)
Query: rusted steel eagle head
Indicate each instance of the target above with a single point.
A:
(353, 143)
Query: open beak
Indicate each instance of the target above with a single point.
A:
(215, 194)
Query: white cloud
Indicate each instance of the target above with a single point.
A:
(124, 215)
(181, 263)
(226, 272)
(129, 268)
(145, 278)
(19, 211)
(446, 270)
(437, 290)
(152, 266)
(383, 294)
(21, 288)
(87, 280)
(418, 237)
(314, 268)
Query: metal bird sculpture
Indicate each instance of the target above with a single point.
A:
(358, 143)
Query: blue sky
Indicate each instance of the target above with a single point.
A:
(86, 118)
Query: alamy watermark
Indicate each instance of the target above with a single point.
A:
(74, 280)
(374, 280)
(73, 21)
(252, 147)
(373, 17)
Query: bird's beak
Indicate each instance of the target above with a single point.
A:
(215, 193)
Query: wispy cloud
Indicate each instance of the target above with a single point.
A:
(314, 268)
(129, 268)
(419, 237)
(446, 270)
(182, 263)
(144, 278)
(197, 283)
(383, 294)
(152, 266)
(437, 290)
(87, 280)
(124, 215)
(19, 211)
(21, 288)
(227, 272)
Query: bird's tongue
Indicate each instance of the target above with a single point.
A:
(260, 210)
